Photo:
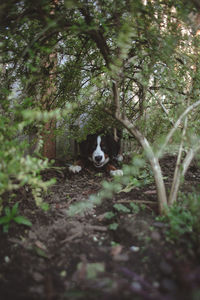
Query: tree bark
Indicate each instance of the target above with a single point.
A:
(49, 138)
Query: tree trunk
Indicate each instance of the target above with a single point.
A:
(157, 172)
(49, 138)
(49, 146)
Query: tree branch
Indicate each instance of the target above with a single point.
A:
(177, 173)
(176, 125)
(161, 192)
(96, 36)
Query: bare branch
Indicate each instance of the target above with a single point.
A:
(189, 157)
(176, 125)
(163, 107)
(177, 173)
(160, 186)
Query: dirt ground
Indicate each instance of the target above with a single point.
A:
(83, 257)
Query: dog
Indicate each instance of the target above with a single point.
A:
(102, 150)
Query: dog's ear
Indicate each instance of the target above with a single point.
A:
(86, 146)
(113, 145)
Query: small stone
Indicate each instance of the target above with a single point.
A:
(7, 259)
(95, 239)
(136, 286)
(134, 248)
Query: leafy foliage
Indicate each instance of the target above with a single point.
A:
(183, 218)
(12, 215)
(16, 168)
(135, 63)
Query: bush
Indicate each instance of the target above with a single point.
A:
(184, 218)
(16, 169)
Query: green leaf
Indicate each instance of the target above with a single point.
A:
(22, 220)
(128, 188)
(7, 211)
(6, 228)
(5, 220)
(121, 207)
(113, 226)
(109, 215)
(14, 210)
(45, 206)
(135, 207)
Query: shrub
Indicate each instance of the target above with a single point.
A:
(184, 218)
(16, 169)
(12, 215)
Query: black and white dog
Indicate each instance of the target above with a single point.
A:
(103, 150)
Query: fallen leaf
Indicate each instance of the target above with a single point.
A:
(40, 245)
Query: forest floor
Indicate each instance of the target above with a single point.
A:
(83, 257)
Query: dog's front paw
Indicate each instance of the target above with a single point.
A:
(75, 169)
(116, 172)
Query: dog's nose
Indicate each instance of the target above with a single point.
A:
(98, 158)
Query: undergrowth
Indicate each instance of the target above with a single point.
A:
(184, 218)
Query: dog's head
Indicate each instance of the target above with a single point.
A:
(100, 149)
(99, 152)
